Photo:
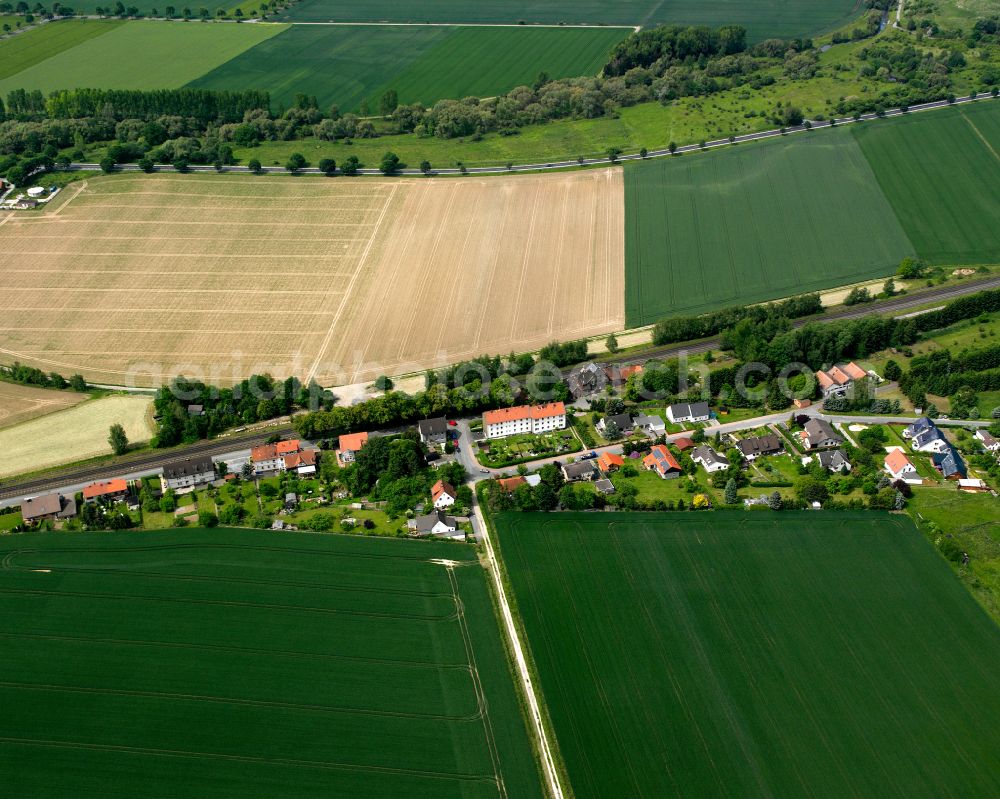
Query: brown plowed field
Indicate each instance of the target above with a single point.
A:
(133, 279)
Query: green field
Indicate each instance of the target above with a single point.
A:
(762, 18)
(940, 172)
(239, 663)
(754, 654)
(752, 223)
(139, 55)
(35, 46)
(344, 65)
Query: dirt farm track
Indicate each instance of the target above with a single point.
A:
(132, 279)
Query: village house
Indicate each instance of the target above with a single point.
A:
(108, 490)
(683, 443)
(989, 442)
(270, 458)
(604, 486)
(524, 419)
(650, 424)
(930, 439)
(753, 448)
(917, 426)
(349, 445)
(662, 461)
(619, 375)
(586, 380)
(581, 470)
(302, 462)
(837, 380)
(509, 484)
(623, 422)
(609, 462)
(443, 495)
(949, 463)
(899, 467)
(433, 432)
(689, 412)
(710, 460)
(819, 433)
(187, 473)
(436, 523)
(48, 506)
(834, 461)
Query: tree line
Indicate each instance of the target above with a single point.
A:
(31, 376)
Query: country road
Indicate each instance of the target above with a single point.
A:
(574, 164)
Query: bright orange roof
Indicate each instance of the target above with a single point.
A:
(825, 381)
(547, 410)
(683, 443)
(352, 441)
(524, 412)
(628, 371)
(609, 459)
(855, 371)
(441, 487)
(287, 447)
(839, 376)
(296, 459)
(508, 484)
(102, 489)
(661, 458)
(896, 461)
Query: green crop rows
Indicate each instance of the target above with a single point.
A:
(237, 663)
(766, 220)
(752, 655)
(344, 65)
(762, 18)
(139, 55)
(23, 51)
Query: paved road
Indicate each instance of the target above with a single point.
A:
(574, 164)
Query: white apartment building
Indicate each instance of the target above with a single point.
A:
(524, 419)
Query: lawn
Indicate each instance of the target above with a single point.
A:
(762, 18)
(756, 654)
(278, 665)
(141, 55)
(939, 172)
(345, 65)
(527, 447)
(652, 487)
(753, 223)
(35, 46)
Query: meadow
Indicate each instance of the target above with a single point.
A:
(756, 654)
(232, 663)
(940, 172)
(140, 55)
(125, 253)
(762, 18)
(25, 50)
(754, 222)
(346, 65)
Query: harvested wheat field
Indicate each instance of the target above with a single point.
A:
(21, 403)
(133, 279)
(73, 434)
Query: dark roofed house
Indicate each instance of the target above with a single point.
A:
(753, 448)
(819, 433)
(433, 431)
(689, 412)
(834, 461)
(436, 523)
(581, 470)
(622, 421)
(586, 380)
(187, 473)
(710, 460)
(917, 426)
(48, 506)
(949, 463)
(605, 486)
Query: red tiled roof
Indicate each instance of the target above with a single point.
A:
(661, 459)
(825, 381)
(265, 452)
(609, 459)
(352, 441)
(683, 443)
(524, 412)
(508, 484)
(102, 489)
(287, 447)
(441, 487)
(297, 459)
(854, 371)
(896, 461)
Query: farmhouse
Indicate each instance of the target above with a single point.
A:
(586, 380)
(443, 495)
(709, 459)
(836, 381)
(990, 444)
(433, 432)
(110, 490)
(49, 506)
(834, 461)
(436, 523)
(689, 412)
(269, 458)
(753, 448)
(302, 462)
(899, 467)
(608, 462)
(524, 419)
(581, 470)
(349, 445)
(662, 461)
(819, 433)
(187, 473)
(622, 422)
